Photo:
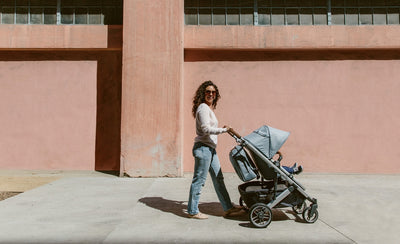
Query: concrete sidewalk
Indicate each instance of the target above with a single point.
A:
(100, 208)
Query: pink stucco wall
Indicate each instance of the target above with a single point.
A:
(292, 37)
(151, 128)
(341, 108)
(333, 87)
(60, 36)
(98, 45)
(343, 115)
(48, 114)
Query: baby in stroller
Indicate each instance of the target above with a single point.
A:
(294, 169)
(253, 158)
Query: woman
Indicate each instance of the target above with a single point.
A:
(206, 159)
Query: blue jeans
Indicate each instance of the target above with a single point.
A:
(206, 160)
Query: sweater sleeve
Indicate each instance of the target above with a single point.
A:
(204, 119)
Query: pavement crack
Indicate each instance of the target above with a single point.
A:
(338, 231)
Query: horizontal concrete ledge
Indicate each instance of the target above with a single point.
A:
(60, 36)
(291, 37)
(59, 49)
(198, 54)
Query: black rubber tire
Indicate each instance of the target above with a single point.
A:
(310, 218)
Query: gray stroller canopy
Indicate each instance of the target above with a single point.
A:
(268, 140)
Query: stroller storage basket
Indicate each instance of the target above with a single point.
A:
(256, 191)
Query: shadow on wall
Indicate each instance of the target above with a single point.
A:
(108, 114)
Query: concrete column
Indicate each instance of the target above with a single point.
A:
(152, 75)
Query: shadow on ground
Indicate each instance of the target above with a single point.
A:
(7, 194)
(211, 208)
(179, 207)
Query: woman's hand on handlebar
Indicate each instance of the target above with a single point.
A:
(232, 132)
(228, 128)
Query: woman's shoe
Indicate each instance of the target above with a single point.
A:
(198, 216)
(235, 211)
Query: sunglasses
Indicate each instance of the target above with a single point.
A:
(211, 92)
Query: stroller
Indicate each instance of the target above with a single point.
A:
(253, 158)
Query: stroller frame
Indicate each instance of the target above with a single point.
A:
(262, 201)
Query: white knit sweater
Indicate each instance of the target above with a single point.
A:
(207, 126)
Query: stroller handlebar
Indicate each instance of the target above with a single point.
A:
(233, 133)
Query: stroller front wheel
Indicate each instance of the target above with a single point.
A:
(310, 217)
(260, 215)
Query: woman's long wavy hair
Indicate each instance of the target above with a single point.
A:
(199, 96)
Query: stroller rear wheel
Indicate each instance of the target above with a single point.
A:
(260, 215)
